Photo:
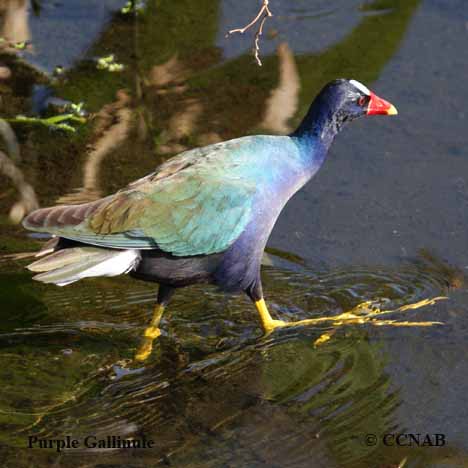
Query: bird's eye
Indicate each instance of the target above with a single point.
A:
(362, 100)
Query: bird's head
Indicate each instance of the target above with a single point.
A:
(342, 101)
(350, 99)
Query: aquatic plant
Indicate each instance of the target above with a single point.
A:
(109, 63)
(21, 45)
(56, 122)
(132, 6)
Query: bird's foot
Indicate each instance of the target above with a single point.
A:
(368, 312)
(271, 325)
(152, 332)
(146, 346)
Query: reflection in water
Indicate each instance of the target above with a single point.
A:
(213, 392)
(215, 388)
(282, 104)
(170, 78)
(111, 129)
(180, 125)
(28, 200)
(15, 27)
(180, 101)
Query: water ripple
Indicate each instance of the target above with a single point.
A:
(212, 379)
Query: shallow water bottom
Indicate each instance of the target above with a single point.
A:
(214, 391)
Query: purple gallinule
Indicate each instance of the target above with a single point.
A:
(202, 216)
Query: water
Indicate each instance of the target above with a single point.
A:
(383, 222)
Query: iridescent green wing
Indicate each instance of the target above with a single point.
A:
(195, 204)
(187, 214)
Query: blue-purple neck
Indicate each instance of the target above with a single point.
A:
(318, 127)
(315, 136)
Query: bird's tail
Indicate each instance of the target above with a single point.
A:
(72, 264)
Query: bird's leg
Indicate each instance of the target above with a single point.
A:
(256, 295)
(268, 323)
(366, 312)
(152, 332)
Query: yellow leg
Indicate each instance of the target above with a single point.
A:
(268, 323)
(150, 334)
(366, 312)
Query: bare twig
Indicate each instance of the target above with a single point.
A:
(264, 13)
(257, 40)
(263, 10)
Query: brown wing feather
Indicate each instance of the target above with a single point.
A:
(62, 216)
(119, 214)
(110, 214)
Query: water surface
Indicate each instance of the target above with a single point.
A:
(384, 223)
